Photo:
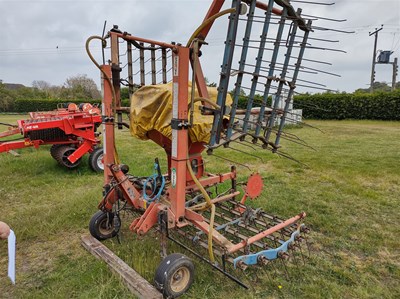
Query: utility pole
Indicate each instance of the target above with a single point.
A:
(395, 69)
(373, 57)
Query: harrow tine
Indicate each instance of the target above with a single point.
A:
(301, 252)
(308, 245)
(293, 256)
(274, 269)
(268, 273)
(285, 267)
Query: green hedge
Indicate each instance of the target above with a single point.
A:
(380, 106)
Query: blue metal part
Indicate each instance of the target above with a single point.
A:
(261, 50)
(225, 72)
(270, 254)
(242, 64)
(293, 83)
(153, 178)
(282, 80)
(271, 71)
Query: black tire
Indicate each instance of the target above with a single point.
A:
(101, 226)
(174, 275)
(96, 161)
(61, 155)
(53, 150)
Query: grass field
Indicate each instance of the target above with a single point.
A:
(350, 190)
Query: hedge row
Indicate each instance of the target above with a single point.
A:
(381, 106)
(30, 105)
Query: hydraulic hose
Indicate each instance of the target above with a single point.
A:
(207, 22)
(108, 79)
(104, 44)
(208, 101)
(207, 204)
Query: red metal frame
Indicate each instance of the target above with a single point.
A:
(78, 126)
(179, 150)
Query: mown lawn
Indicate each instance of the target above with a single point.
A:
(350, 189)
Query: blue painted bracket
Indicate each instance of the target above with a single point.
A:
(270, 254)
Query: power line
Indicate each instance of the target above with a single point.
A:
(42, 51)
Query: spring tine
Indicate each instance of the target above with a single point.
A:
(324, 40)
(323, 49)
(326, 19)
(331, 29)
(308, 245)
(301, 252)
(300, 143)
(273, 87)
(320, 71)
(315, 83)
(294, 137)
(276, 42)
(311, 2)
(290, 158)
(293, 255)
(274, 269)
(267, 267)
(285, 268)
(313, 60)
(314, 87)
(265, 69)
(229, 160)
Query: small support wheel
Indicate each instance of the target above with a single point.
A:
(96, 159)
(61, 155)
(174, 275)
(101, 226)
(53, 150)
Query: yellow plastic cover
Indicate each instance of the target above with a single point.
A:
(151, 109)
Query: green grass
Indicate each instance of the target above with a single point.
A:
(350, 190)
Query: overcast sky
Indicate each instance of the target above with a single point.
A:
(44, 40)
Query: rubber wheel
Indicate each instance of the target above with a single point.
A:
(174, 275)
(61, 155)
(101, 226)
(53, 150)
(96, 159)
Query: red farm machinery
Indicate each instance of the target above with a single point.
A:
(70, 129)
(263, 55)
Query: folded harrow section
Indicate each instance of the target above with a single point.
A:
(257, 237)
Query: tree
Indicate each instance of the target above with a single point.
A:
(7, 97)
(378, 86)
(80, 86)
(212, 84)
(41, 85)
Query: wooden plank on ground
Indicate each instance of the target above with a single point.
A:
(135, 283)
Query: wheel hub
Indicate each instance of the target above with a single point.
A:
(180, 279)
